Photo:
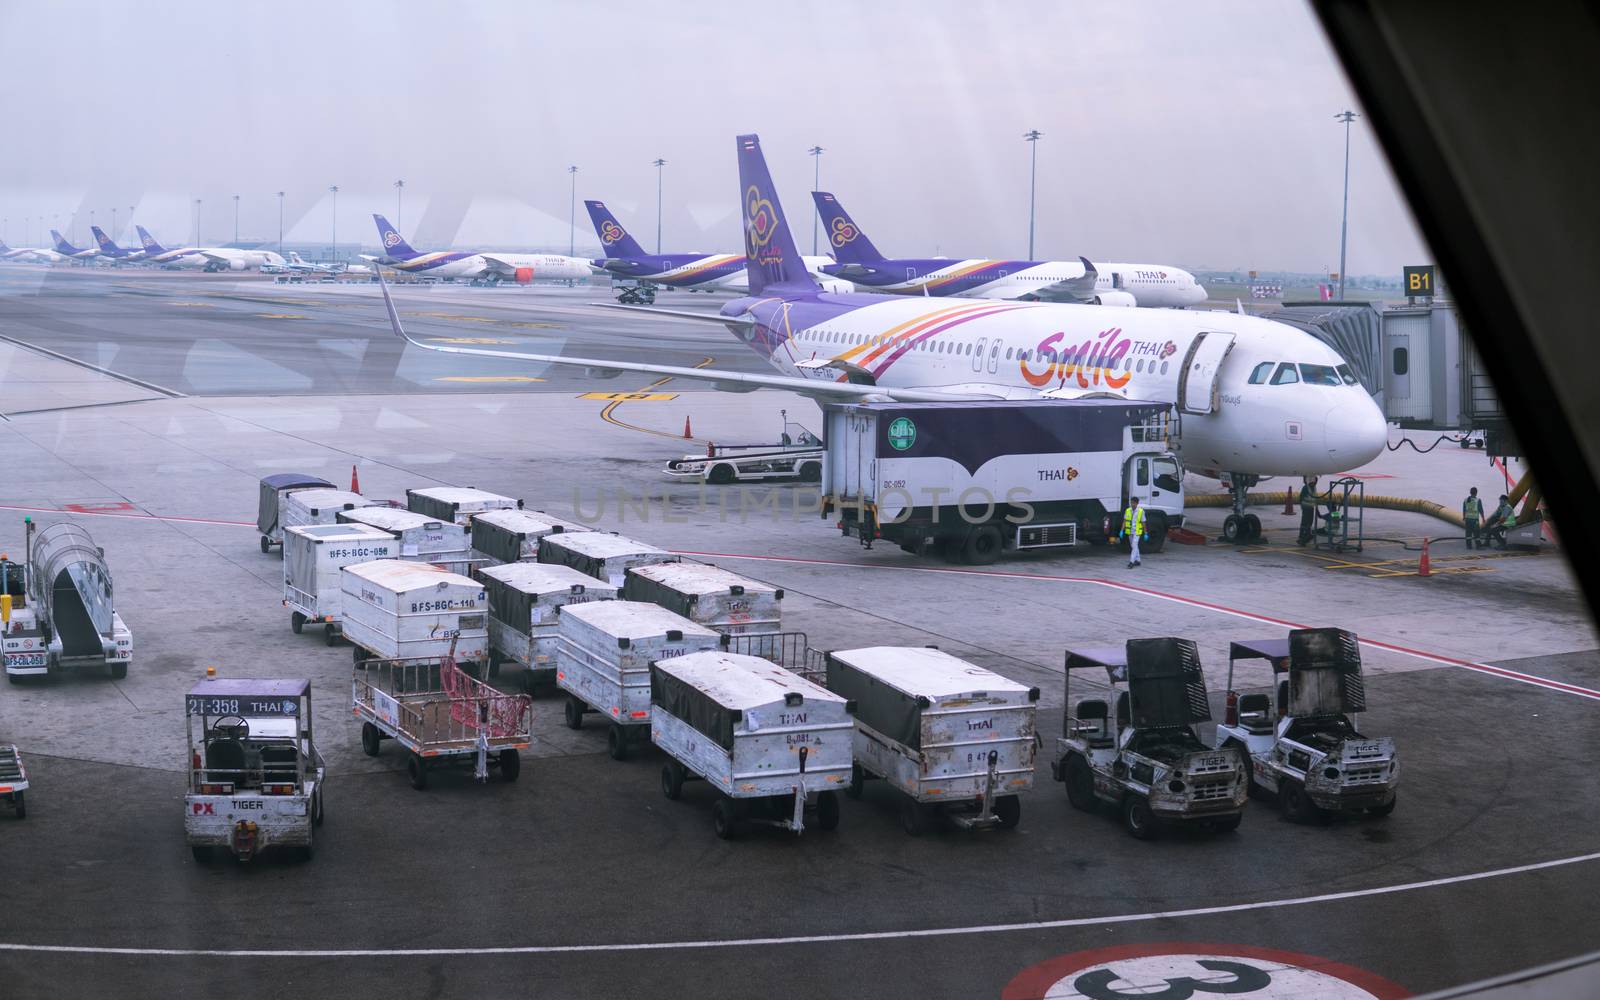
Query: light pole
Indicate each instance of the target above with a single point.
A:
(816, 183)
(1344, 217)
(235, 220)
(113, 223)
(280, 223)
(572, 217)
(1032, 136)
(399, 203)
(130, 218)
(333, 189)
(659, 163)
(91, 222)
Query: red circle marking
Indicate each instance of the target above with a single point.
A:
(1034, 982)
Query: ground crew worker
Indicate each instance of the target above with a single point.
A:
(1133, 529)
(1472, 515)
(1502, 520)
(1308, 510)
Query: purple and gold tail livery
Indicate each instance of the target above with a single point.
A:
(62, 246)
(148, 241)
(393, 243)
(771, 258)
(848, 243)
(614, 240)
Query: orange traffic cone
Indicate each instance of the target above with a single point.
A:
(687, 433)
(355, 481)
(1422, 564)
(1288, 501)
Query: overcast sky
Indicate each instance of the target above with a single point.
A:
(1193, 133)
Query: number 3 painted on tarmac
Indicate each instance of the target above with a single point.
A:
(1096, 985)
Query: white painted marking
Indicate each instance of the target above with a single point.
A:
(932, 932)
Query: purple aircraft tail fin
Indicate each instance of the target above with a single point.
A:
(62, 246)
(102, 240)
(770, 255)
(850, 245)
(148, 241)
(393, 243)
(613, 238)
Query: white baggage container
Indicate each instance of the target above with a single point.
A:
(396, 610)
(603, 659)
(457, 503)
(272, 491)
(774, 744)
(601, 554)
(949, 734)
(317, 506)
(422, 538)
(508, 536)
(710, 595)
(525, 601)
(313, 557)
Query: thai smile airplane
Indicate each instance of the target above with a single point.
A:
(491, 266)
(1255, 398)
(975, 278)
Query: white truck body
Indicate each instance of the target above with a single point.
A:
(525, 602)
(601, 554)
(317, 506)
(457, 503)
(606, 648)
(508, 536)
(413, 611)
(710, 595)
(422, 538)
(314, 556)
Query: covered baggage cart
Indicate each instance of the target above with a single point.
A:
(710, 595)
(525, 601)
(273, 489)
(313, 557)
(952, 737)
(13, 779)
(603, 658)
(457, 503)
(508, 536)
(397, 610)
(255, 774)
(777, 746)
(422, 538)
(441, 715)
(601, 554)
(318, 506)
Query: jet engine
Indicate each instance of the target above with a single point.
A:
(836, 285)
(524, 275)
(1124, 300)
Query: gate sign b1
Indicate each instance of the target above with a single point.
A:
(1420, 281)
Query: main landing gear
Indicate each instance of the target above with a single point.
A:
(1240, 528)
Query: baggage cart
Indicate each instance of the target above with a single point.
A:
(790, 650)
(603, 655)
(776, 746)
(273, 489)
(422, 538)
(256, 777)
(951, 737)
(398, 610)
(441, 715)
(710, 595)
(601, 554)
(457, 503)
(525, 600)
(318, 506)
(13, 779)
(313, 557)
(508, 536)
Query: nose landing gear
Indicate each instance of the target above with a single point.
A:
(1240, 528)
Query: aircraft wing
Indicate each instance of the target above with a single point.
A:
(722, 380)
(1079, 289)
(500, 264)
(215, 258)
(741, 322)
(850, 271)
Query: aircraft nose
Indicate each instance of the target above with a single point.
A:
(1356, 432)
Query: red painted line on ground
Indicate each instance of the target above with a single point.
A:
(142, 517)
(1451, 661)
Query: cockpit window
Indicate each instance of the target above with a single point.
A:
(1348, 375)
(1259, 376)
(1286, 375)
(1319, 375)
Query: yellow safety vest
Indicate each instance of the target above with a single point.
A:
(1133, 521)
(1472, 510)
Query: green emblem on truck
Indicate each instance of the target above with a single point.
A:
(902, 433)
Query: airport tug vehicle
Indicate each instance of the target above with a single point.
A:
(255, 774)
(1144, 758)
(1309, 753)
(955, 740)
(13, 779)
(775, 745)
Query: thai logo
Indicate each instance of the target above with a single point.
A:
(610, 232)
(148, 240)
(1093, 362)
(760, 223)
(843, 232)
(1071, 473)
(902, 433)
(1168, 350)
(391, 238)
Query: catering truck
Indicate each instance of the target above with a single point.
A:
(969, 480)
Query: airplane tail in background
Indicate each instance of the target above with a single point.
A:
(102, 240)
(770, 255)
(148, 241)
(62, 246)
(850, 245)
(393, 243)
(614, 240)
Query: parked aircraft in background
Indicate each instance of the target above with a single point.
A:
(485, 266)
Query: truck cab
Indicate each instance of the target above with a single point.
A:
(1144, 757)
(1303, 742)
